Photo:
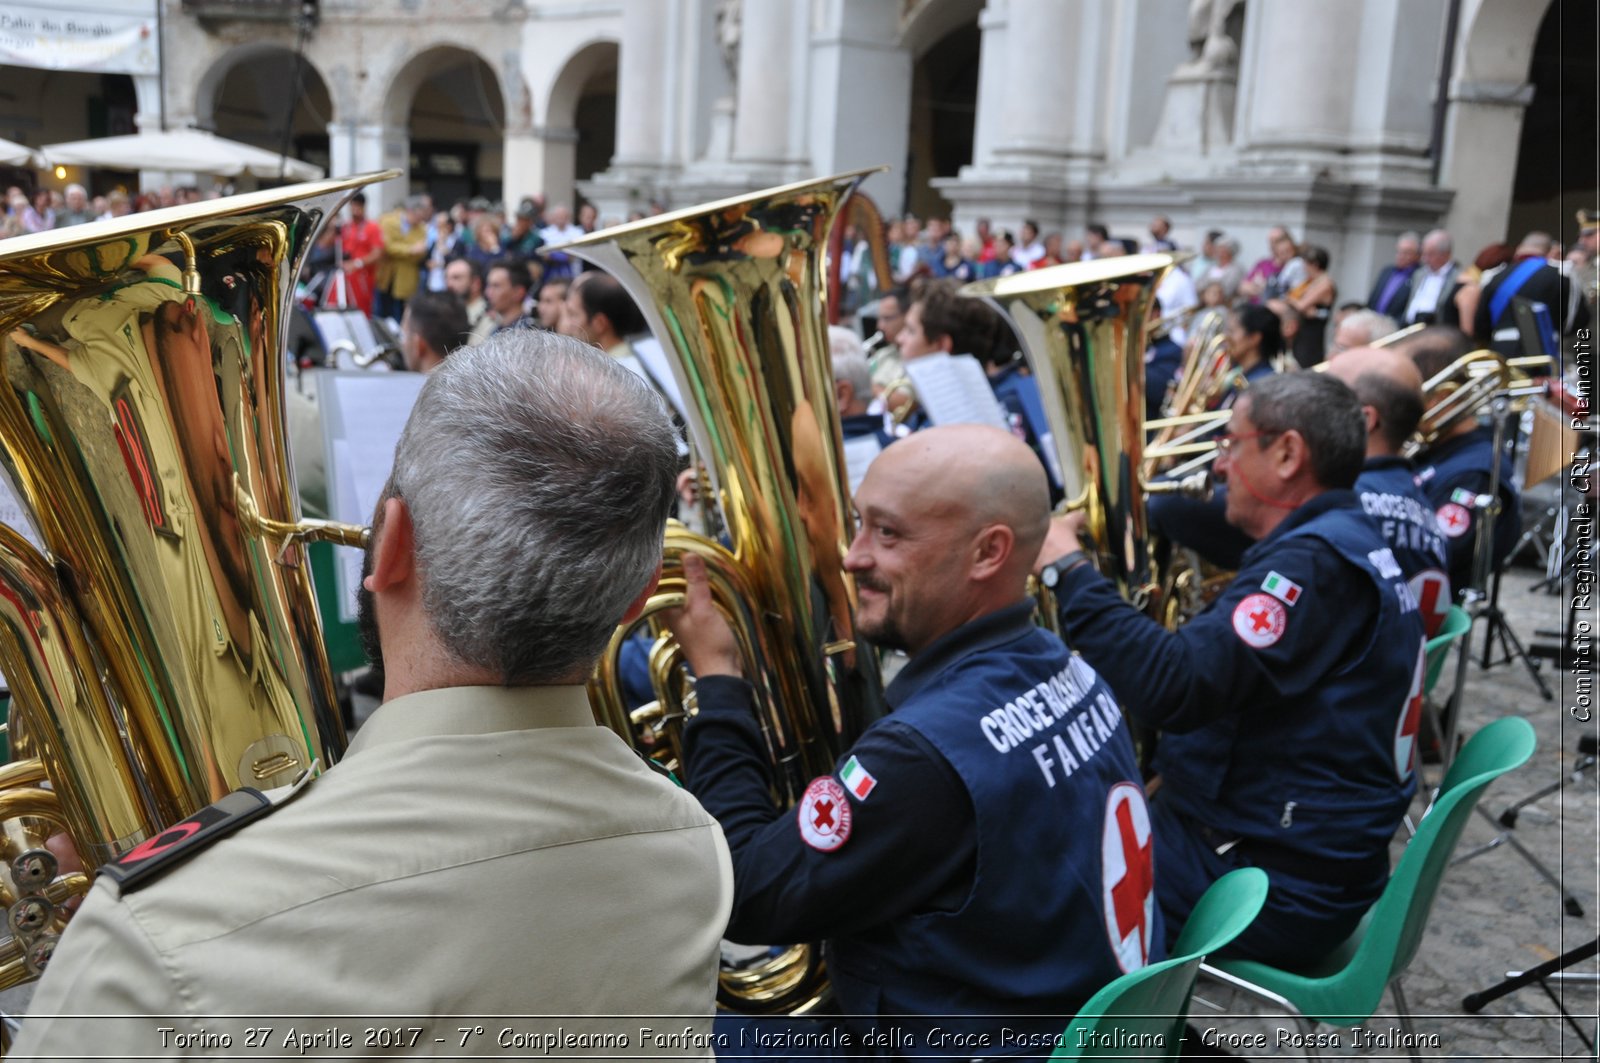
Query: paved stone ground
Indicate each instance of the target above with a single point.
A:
(1494, 914)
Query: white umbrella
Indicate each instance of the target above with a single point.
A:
(183, 150)
(14, 154)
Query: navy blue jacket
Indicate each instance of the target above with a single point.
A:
(863, 424)
(972, 881)
(1455, 477)
(1389, 495)
(1290, 704)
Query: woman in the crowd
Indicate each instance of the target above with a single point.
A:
(1312, 301)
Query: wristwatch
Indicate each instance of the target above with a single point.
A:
(1052, 573)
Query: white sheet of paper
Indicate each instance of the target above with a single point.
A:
(12, 514)
(953, 389)
(363, 415)
(649, 351)
(858, 454)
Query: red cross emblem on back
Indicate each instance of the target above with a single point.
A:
(1128, 869)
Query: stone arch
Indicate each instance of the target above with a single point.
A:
(410, 74)
(1489, 95)
(570, 148)
(209, 88)
(942, 40)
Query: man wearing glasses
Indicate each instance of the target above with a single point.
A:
(1290, 706)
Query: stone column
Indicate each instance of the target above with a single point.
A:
(860, 95)
(762, 130)
(1296, 83)
(645, 90)
(362, 147)
(1036, 122)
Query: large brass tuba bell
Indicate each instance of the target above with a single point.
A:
(1083, 327)
(163, 648)
(736, 292)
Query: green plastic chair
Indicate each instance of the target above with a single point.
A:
(1141, 1014)
(1344, 987)
(1437, 649)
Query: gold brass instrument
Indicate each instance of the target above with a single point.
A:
(736, 291)
(1463, 390)
(1083, 327)
(163, 648)
(1190, 413)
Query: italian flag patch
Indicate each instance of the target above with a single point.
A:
(1282, 588)
(858, 780)
(1462, 497)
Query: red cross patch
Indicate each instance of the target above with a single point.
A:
(1127, 868)
(1454, 519)
(824, 815)
(1405, 730)
(1259, 620)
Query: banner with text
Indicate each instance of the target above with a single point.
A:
(57, 38)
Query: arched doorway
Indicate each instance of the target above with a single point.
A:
(451, 104)
(1556, 156)
(62, 105)
(269, 97)
(944, 40)
(582, 120)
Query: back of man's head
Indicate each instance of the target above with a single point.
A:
(601, 293)
(1435, 348)
(1388, 382)
(538, 474)
(1535, 243)
(850, 367)
(439, 319)
(1326, 414)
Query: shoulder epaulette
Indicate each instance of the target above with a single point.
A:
(146, 861)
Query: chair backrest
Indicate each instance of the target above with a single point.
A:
(1456, 622)
(1141, 1014)
(1390, 934)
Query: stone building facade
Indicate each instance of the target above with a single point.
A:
(1347, 120)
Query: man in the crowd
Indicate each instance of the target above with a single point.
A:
(1529, 276)
(1433, 286)
(1389, 388)
(1289, 706)
(886, 363)
(1201, 264)
(1357, 326)
(462, 789)
(1455, 471)
(77, 211)
(464, 280)
(600, 311)
(361, 243)
(1160, 235)
(1096, 241)
(506, 290)
(405, 245)
(937, 906)
(1030, 250)
(560, 231)
(433, 325)
(865, 433)
(551, 304)
(1390, 292)
(521, 238)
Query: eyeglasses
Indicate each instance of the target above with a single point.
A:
(1226, 441)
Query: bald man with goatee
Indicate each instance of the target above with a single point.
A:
(984, 850)
(1388, 385)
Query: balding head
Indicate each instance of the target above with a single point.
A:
(1535, 243)
(1389, 386)
(951, 521)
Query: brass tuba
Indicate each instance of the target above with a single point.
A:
(161, 642)
(736, 291)
(1083, 327)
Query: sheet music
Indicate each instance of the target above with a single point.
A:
(363, 415)
(953, 389)
(858, 454)
(649, 352)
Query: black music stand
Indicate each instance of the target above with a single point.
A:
(1479, 605)
(1498, 627)
(1542, 975)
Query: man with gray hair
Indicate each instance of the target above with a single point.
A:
(1289, 707)
(1389, 290)
(482, 842)
(77, 210)
(1360, 328)
(1431, 295)
(865, 433)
